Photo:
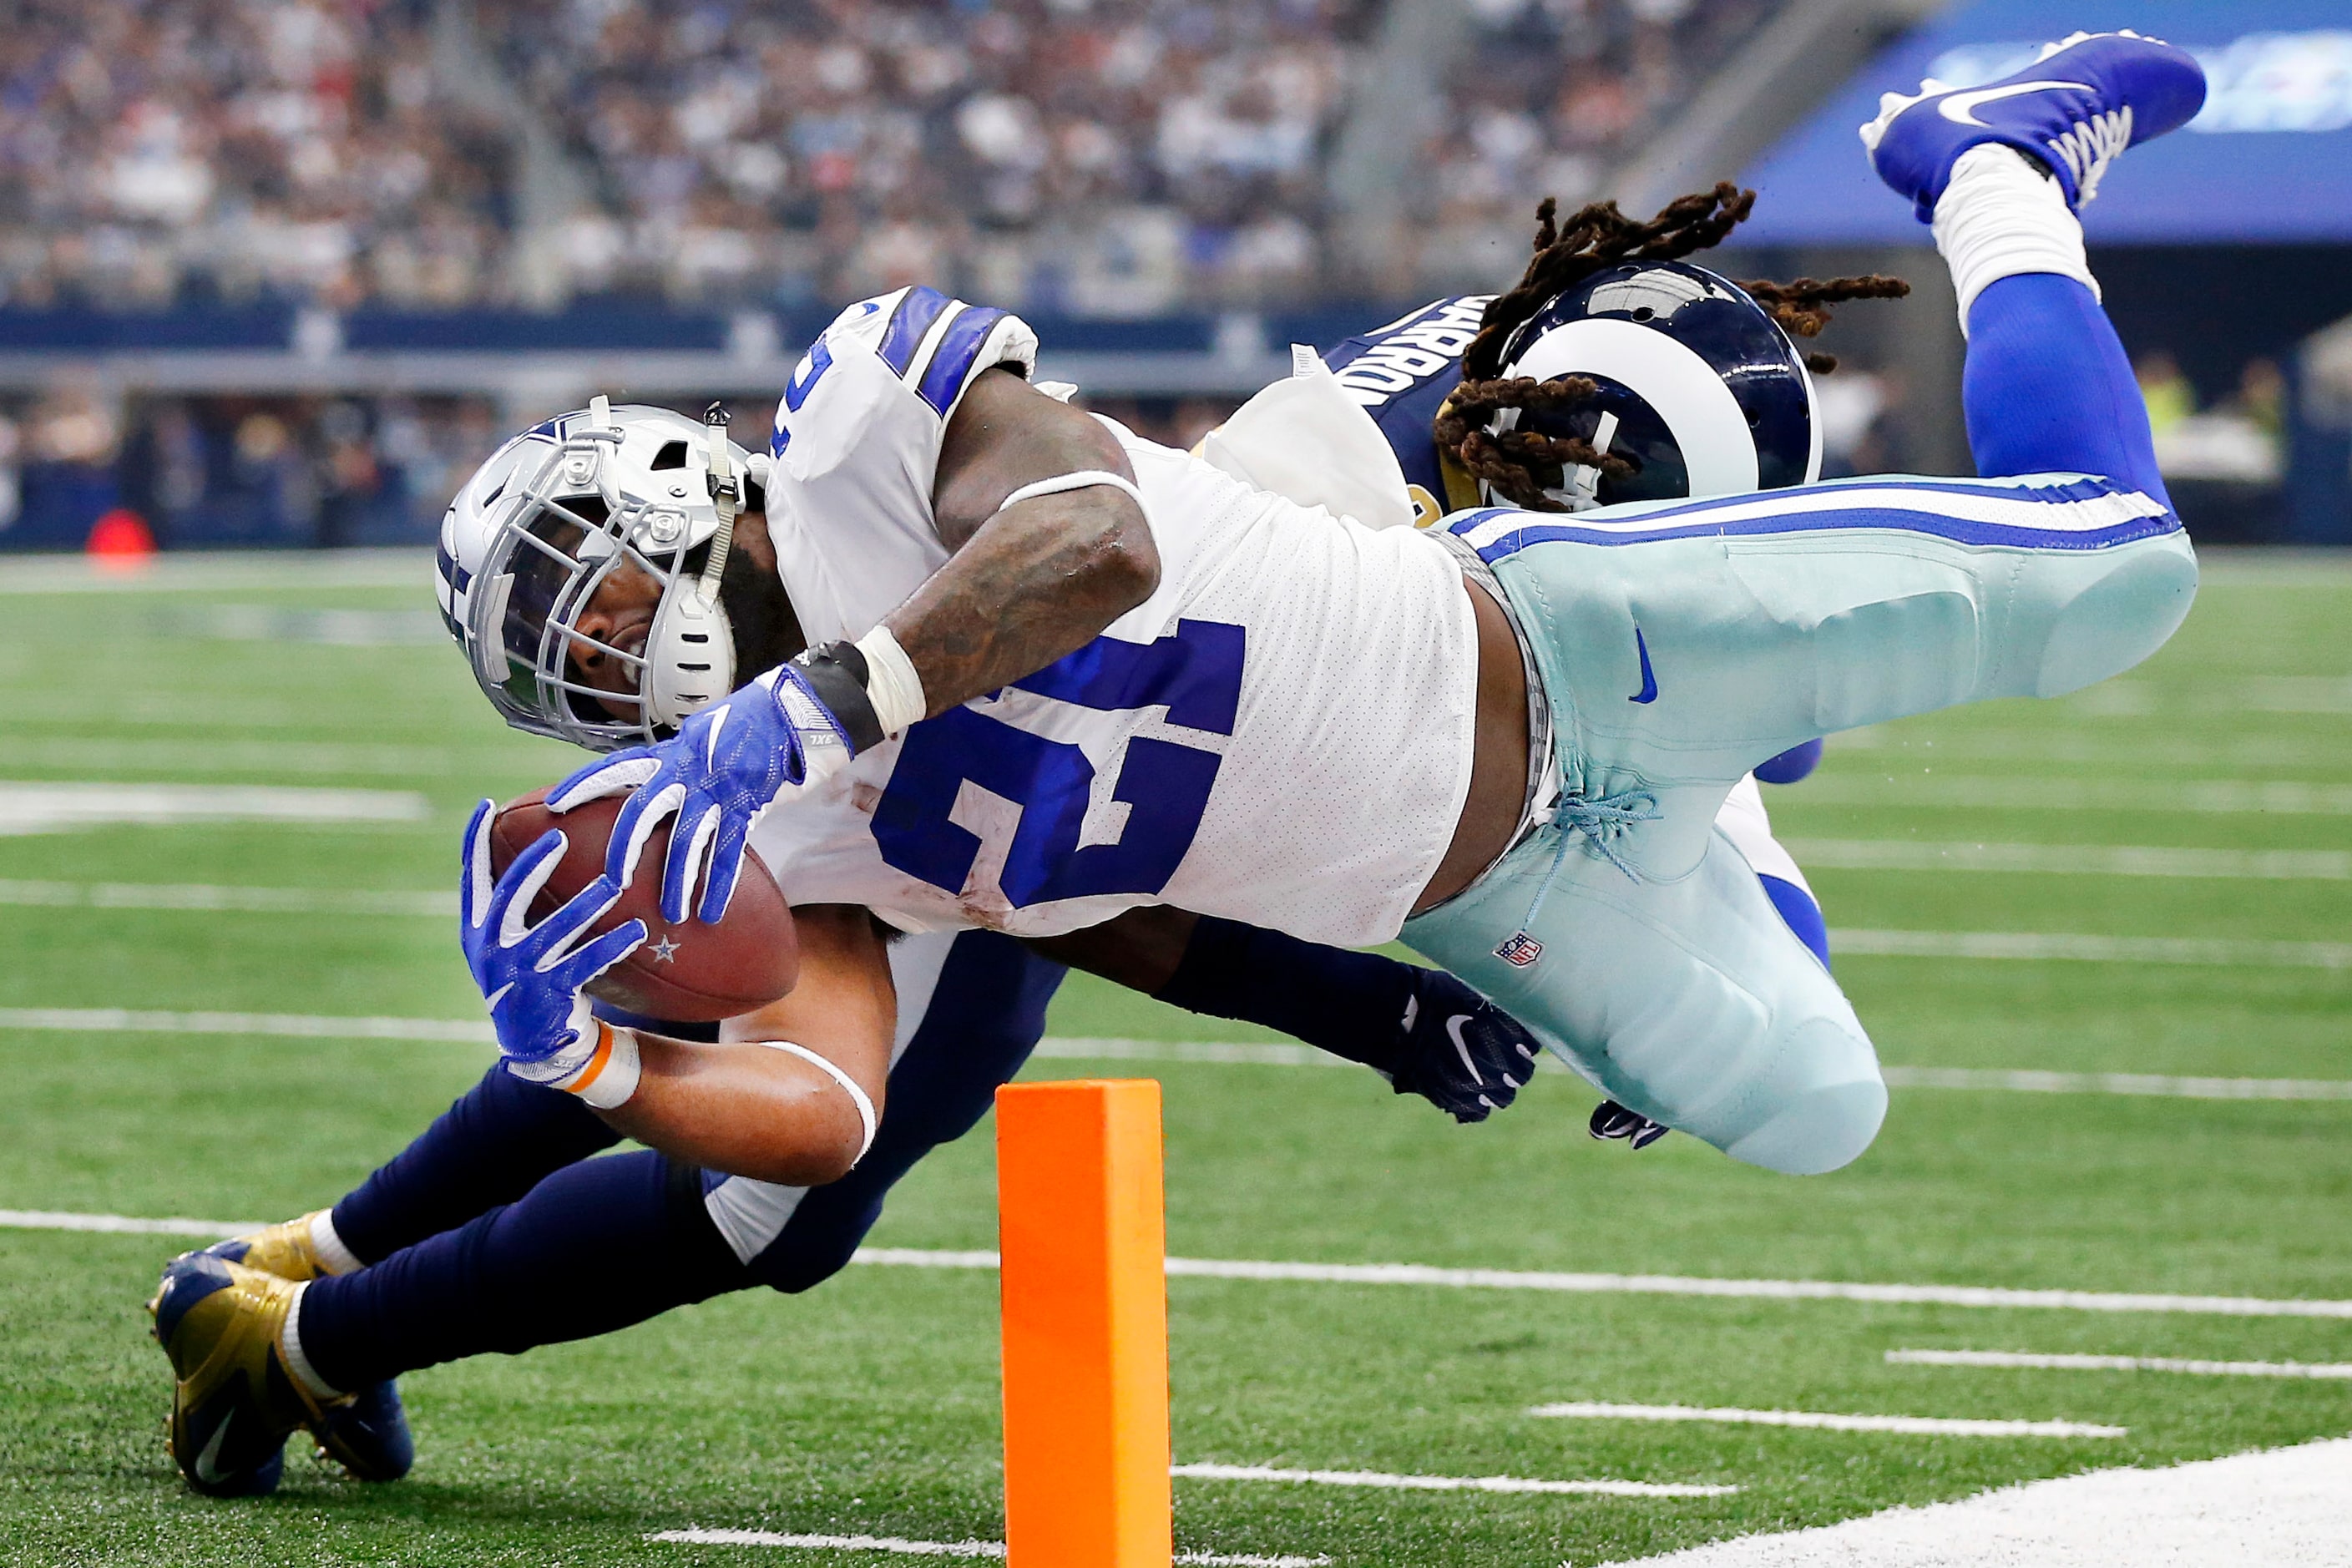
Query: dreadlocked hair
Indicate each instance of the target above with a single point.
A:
(1514, 461)
(1520, 466)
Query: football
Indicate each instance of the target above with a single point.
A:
(685, 972)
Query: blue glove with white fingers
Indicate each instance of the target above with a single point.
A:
(787, 731)
(531, 976)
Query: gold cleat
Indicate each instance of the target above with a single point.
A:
(283, 1249)
(232, 1401)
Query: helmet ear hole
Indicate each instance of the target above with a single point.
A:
(671, 455)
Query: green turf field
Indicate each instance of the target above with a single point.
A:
(869, 1406)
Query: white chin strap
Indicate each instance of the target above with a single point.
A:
(689, 655)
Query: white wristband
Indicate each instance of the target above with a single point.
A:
(1084, 479)
(856, 1095)
(891, 683)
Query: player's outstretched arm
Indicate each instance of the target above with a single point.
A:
(793, 1092)
(1032, 579)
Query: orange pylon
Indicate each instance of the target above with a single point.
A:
(1083, 1233)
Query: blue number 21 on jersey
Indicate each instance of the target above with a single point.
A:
(1197, 673)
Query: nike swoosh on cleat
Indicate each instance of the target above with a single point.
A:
(1960, 107)
(1649, 693)
(1454, 1033)
(209, 1468)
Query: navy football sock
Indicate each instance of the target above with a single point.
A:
(1350, 1004)
(2048, 387)
(595, 1246)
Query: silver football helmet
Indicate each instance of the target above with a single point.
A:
(541, 526)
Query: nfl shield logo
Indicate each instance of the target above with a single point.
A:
(1520, 950)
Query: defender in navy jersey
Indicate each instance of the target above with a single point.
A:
(1402, 374)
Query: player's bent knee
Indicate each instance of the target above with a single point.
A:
(2132, 610)
(1821, 1130)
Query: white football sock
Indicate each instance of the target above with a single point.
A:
(297, 1365)
(333, 1255)
(2000, 217)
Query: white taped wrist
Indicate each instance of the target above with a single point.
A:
(609, 1077)
(1084, 479)
(891, 683)
(857, 1096)
(2001, 217)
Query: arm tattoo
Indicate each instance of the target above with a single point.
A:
(1031, 583)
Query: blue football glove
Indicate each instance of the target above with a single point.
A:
(531, 976)
(1463, 1054)
(718, 776)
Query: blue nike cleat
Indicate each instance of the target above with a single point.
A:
(1792, 766)
(1463, 1054)
(2075, 109)
(367, 1435)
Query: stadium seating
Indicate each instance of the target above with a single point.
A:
(1093, 157)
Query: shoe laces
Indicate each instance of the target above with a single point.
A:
(1599, 821)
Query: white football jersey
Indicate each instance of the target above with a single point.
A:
(1281, 734)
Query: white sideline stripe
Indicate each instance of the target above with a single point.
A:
(2135, 794)
(2082, 859)
(2029, 1081)
(217, 897)
(298, 1026)
(2286, 1506)
(2122, 1363)
(1456, 1278)
(906, 1548)
(64, 806)
(1928, 1425)
(1446, 1483)
(2069, 947)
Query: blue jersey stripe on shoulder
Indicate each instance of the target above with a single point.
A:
(908, 322)
(951, 362)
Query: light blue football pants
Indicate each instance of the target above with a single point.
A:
(1681, 643)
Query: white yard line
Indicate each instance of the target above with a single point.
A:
(217, 897)
(2133, 795)
(2029, 1081)
(2080, 860)
(225, 756)
(2069, 947)
(1455, 1278)
(301, 1025)
(2287, 1506)
(296, 1026)
(65, 806)
(226, 568)
(1378, 1478)
(902, 1547)
(2305, 1369)
(1925, 1425)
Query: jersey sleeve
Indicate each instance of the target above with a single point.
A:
(906, 358)
(856, 449)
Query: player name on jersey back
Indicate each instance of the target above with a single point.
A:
(1401, 374)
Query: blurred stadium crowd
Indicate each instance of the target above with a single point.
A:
(1098, 156)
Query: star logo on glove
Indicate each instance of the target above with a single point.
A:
(663, 950)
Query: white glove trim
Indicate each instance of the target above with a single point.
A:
(856, 1095)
